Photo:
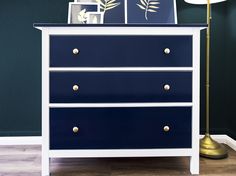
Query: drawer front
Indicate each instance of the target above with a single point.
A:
(120, 128)
(120, 51)
(108, 87)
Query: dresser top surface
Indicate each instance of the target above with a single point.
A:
(37, 25)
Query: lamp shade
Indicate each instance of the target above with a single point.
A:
(202, 1)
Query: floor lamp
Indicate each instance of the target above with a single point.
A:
(208, 147)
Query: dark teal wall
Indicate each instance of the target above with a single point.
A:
(230, 67)
(188, 13)
(20, 62)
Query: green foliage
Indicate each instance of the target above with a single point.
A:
(148, 6)
(107, 4)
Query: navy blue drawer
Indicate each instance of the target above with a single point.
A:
(95, 87)
(120, 128)
(120, 51)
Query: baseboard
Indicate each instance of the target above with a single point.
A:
(37, 140)
(25, 140)
(221, 138)
(231, 143)
(225, 139)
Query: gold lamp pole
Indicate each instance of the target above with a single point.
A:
(208, 147)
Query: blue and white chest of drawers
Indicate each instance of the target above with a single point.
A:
(120, 91)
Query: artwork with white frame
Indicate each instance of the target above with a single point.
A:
(138, 11)
(151, 11)
(95, 17)
(77, 12)
(114, 10)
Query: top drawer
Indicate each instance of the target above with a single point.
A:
(120, 51)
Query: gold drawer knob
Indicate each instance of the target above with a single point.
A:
(166, 87)
(75, 129)
(167, 50)
(166, 128)
(75, 51)
(75, 87)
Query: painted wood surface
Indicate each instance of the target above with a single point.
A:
(120, 51)
(133, 33)
(118, 87)
(120, 128)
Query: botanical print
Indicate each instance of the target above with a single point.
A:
(95, 20)
(151, 11)
(148, 6)
(107, 4)
(82, 16)
(114, 10)
(78, 12)
(95, 17)
(127, 11)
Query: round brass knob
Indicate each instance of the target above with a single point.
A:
(166, 128)
(75, 51)
(166, 87)
(75, 87)
(75, 129)
(167, 51)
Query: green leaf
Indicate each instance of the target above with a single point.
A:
(154, 7)
(143, 2)
(153, 3)
(150, 10)
(141, 7)
(111, 1)
(108, 8)
(108, 4)
(113, 4)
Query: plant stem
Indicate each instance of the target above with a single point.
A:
(146, 10)
(105, 8)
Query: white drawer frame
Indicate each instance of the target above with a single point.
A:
(193, 152)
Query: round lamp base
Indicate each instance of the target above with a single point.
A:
(212, 149)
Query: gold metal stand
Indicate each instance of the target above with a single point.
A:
(212, 149)
(208, 147)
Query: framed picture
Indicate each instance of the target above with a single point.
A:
(137, 11)
(114, 10)
(77, 12)
(151, 11)
(95, 18)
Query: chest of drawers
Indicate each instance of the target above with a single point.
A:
(120, 91)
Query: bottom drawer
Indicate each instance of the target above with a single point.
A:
(120, 128)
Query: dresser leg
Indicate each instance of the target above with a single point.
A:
(45, 166)
(194, 164)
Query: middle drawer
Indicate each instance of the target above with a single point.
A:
(108, 87)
